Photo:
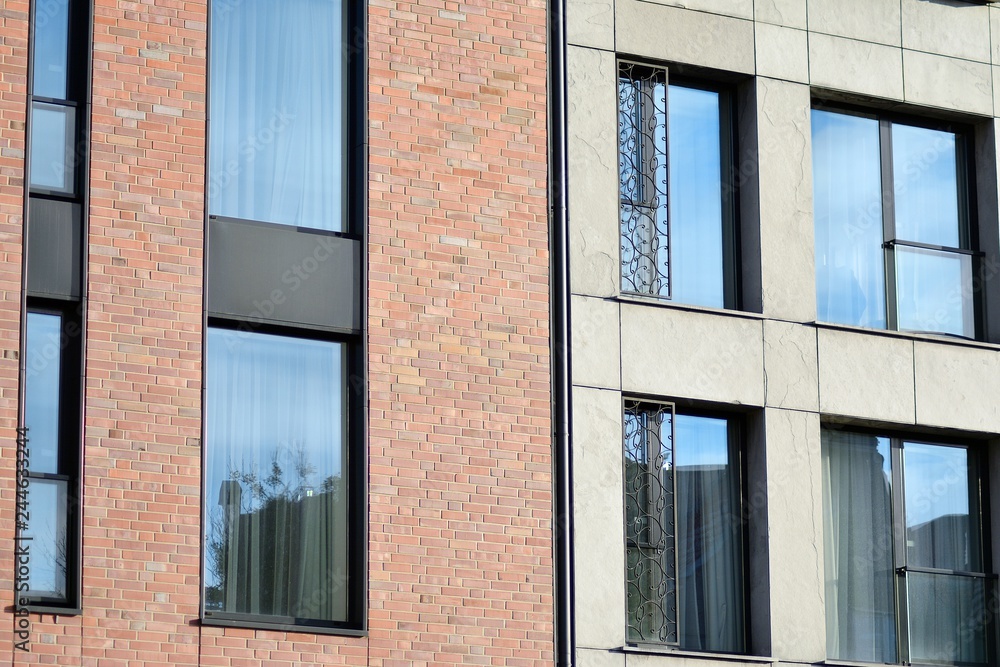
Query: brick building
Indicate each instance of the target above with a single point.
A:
(274, 304)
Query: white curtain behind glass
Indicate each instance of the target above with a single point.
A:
(276, 488)
(276, 144)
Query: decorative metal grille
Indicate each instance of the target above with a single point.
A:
(650, 549)
(642, 168)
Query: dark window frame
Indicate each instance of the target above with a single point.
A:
(737, 433)
(968, 214)
(979, 484)
(730, 186)
(70, 447)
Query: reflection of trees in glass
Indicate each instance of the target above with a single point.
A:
(270, 542)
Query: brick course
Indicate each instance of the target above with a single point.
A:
(460, 551)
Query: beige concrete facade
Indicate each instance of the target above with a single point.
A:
(771, 361)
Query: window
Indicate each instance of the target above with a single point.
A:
(683, 528)
(276, 525)
(906, 566)
(52, 419)
(675, 153)
(892, 216)
(277, 140)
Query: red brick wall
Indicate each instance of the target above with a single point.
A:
(13, 108)
(460, 471)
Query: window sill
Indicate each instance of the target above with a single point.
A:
(47, 610)
(282, 627)
(674, 305)
(909, 335)
(680, 653)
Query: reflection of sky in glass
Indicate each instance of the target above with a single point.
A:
(847, 199)
(273, 398)
(701, 441)
(695, 197)
(933, 291)
(41, 392)
(49, 140)
(276, 152)
(924, 167)
(51, 24)
(936, 481)
(47, 528)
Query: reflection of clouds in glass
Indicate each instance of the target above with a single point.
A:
(926, 185)
(696, 196)
(937, 482)
(701, 441)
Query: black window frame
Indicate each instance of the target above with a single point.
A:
(737, 433)
(355, 231)
(979, 484)
(965, 147)
(689, 77)
(70, 447)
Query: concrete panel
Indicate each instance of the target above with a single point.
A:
(782, 53)
(788, 263)
(868, 20)
(596, 349)
(948, 28)
(599, 516)
(791, 372)
(681, 660)
(865, 375)
(957, 386)
(739, 8)
(854, 66)
(656, 31)
(995, 33)
(676, 353)
(592, 128)
(589, 658)
(948, 82)
(791, 13)
(591, 23)
(795, 525)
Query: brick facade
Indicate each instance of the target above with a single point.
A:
(460, 550)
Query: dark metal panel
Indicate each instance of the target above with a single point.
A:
(264, 273)
(55, 231)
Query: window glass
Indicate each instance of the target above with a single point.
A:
(858, 553)
(946, 618)
(51, 48)
(696, 197)
(51, 152)
(276, 149)
(709, 540)
(850, 267)
(925, 175)
(47, 503)
(41, 391)
(276, 503)
(938, 523)
(934, 291)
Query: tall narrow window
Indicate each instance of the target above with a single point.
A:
(684, 536)
(676, 190)
(906, 576)
(893, 233)
(277, 142)
(52, 422)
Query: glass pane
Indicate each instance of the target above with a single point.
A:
(934, 291)
(52, 136)
(925, 175)
(47, 503)
(276, 534)
(696, 197)
(51, 25)
(709, 537)
(948, 618)
(41, 391)
(847, 198)
(940, 531)
(858, 558)
(277, 139)
(649, 525)
(642, 154)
